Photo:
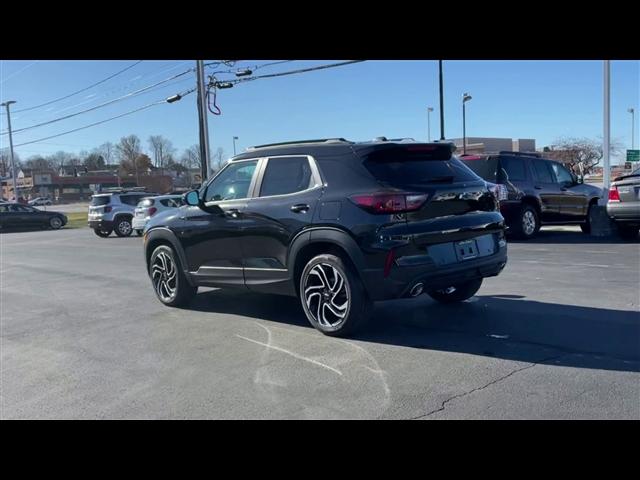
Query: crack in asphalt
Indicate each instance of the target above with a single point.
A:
(493, 382)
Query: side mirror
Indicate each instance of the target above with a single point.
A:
(192, 198)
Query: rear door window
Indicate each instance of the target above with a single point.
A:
(514, 168)
(542, 171)
(286, 175)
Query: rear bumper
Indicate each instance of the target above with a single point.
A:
(402, 278)
(139, 223)
(101, 224)
(624, 211)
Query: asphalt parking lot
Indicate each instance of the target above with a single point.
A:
(555, 336)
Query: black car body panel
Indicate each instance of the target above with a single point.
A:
(261, 240)
(15, 215)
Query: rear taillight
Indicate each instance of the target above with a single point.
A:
(389, 202)
(614, 195)
(152, 211)
(107, 209)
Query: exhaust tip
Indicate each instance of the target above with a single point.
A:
(416, 290)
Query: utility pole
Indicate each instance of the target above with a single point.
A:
(633, 127)
(13, 166)
(465, 98)
(441, 102)
(234, 145)
(429, 110)
(606, 173)
(203, 125)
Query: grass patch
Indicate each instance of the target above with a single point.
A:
(76, 220)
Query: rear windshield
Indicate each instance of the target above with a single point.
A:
(399, 168)
(101, 200)
(485, 167)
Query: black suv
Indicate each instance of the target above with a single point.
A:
(534, 191)
(338, 224)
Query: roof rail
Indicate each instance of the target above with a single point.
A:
(526, 154)
(299, 142)
(122, 189)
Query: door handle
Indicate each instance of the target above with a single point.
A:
(537, 187)
(300, 207)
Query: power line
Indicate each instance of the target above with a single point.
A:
(79, 91)
(256, 67)
(291, 72)
(124, 97)
(19, 71)
(105, 120)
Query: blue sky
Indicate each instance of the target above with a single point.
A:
(519, 99)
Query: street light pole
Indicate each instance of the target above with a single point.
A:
(13, 166)
(202, 122)
(234, 145)
(441, 101)
(606, 174)
(633, 127)
(429, 110)
(465, 98)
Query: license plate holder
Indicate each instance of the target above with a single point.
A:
(466, 250)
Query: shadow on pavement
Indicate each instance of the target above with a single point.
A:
(571, 237)
(582, 337)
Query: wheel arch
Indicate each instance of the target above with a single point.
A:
(163, 236)
(322, 240)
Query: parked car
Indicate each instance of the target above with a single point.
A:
(40, 201)
(338, 224)
(150, 206)
(534, 191)
(623, 205)
(113, 211)
(15, 215)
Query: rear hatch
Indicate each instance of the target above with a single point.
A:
(100, 204)
(145, 208)
(454, 203)
(628, 188)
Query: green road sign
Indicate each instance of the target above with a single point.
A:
(633, 155)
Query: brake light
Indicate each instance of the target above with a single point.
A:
(107, 209)
(389, 202)
(152, 211)
(500, 191)
(614, 195)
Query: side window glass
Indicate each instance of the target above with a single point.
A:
(286, 175)
(232, 183)
(562, 175)
(542, 172)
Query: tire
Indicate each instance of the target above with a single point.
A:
(628, 232)
(123, 227)
(102, 233)
(168, 279)
(55, 223)
(138, 232)
(527, 223)
(460, 292)
(330, 286)
(586, 227)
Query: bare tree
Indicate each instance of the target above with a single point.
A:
(5, 162)
(128, 150)
(107, 150)
(162, 149)
(191, 157)
(218, 159)
(580, 155)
